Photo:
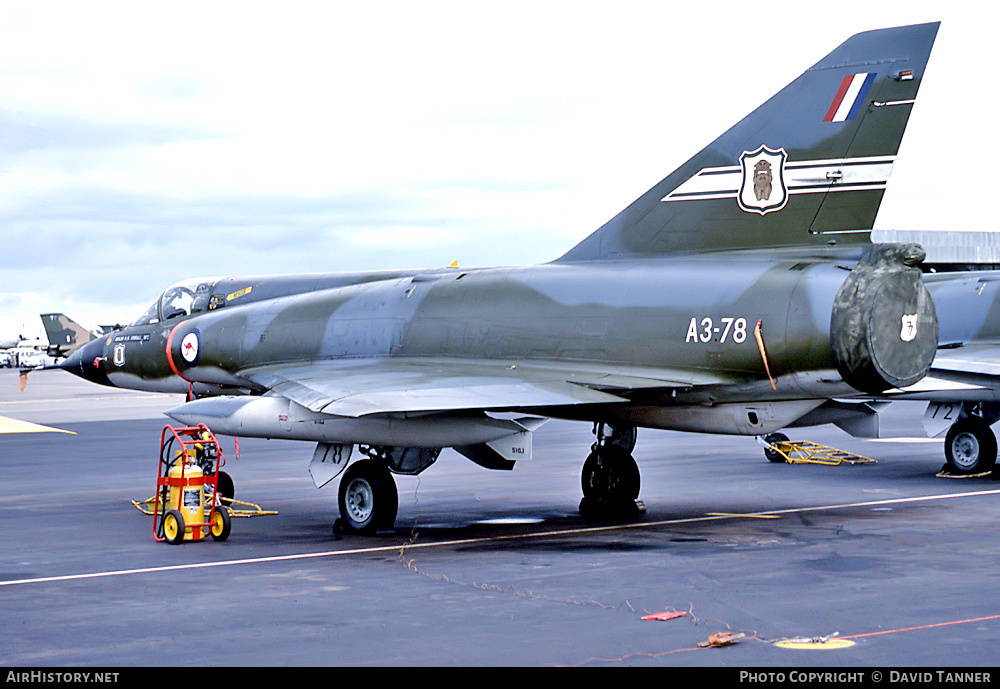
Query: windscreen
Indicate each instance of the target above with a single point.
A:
(181, 299)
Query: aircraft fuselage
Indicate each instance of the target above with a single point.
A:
(681, 331)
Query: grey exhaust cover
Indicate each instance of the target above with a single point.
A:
(884, 327)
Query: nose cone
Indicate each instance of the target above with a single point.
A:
(89, 362)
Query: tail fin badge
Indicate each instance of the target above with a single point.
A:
(763, 188)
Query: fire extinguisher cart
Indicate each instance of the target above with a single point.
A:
(187, 505)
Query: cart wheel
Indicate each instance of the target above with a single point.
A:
(173, 527)
(221, 524)
(226, 489)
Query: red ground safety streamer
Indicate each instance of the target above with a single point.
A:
(664, 615)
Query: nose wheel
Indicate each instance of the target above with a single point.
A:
(367, 497)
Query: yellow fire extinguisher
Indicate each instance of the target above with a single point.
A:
(184, 518)
(188, 505)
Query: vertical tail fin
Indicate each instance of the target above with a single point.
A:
(63, 333)
(808, 166)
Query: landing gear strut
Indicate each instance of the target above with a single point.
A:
(610, 475)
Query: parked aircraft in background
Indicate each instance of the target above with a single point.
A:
(740, 295)
(963, 386)
(9, 342)
(24, 353)
(64, 334)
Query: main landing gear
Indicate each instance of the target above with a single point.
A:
(367, 496)
(368, 499)
(610, 478)
(970, 447)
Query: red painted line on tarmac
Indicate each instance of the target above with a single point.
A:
(926, 626)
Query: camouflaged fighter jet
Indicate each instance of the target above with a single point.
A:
(739, 295)
(64, 334)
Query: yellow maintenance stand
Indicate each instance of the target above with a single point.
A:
(778, 448)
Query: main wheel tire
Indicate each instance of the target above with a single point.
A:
(367, 497)
(173, 527)
(222, 524)
(970, 447)
(774, 455)
(610, 475)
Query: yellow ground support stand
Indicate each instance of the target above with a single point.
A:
(805, 452)
(249, 509)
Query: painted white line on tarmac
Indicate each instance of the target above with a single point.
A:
(399, 547)
(8, 425)
(906, 441)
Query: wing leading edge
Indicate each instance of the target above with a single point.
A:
(356, 388)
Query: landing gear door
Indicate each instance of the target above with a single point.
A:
(939, 416)
(328, 461)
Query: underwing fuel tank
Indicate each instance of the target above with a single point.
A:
(277, 417)
(884, 327)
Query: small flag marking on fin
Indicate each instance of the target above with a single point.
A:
(850, 97)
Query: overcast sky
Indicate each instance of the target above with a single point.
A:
(144, 143)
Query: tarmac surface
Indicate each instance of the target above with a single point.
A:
(489, 568)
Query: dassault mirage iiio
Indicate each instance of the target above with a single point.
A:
(740, 295)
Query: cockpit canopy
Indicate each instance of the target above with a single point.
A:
(181, 299)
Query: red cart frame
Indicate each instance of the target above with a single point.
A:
(209, 453)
